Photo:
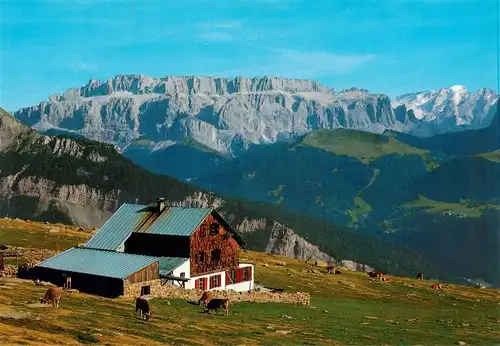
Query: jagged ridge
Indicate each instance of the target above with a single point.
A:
(81, 181)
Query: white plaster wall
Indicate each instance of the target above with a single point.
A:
(239, 287)
(183, 268)
(246, 285)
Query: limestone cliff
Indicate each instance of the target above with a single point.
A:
(226, 115)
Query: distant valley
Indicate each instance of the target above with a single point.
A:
(419, 171)
(82, 182)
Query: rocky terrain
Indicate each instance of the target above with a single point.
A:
(231, 115)
(398, 169)
(81, 182)
(446, 110)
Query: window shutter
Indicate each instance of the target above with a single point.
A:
(197, 283)
(212, 281)
(204, 284)
(239, 275)
(228, 277)
(249, 273)
(219, 280)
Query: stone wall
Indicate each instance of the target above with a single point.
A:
(169, 291)
(9, 271)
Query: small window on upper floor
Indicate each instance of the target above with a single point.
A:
(214, 228)
(216, 255)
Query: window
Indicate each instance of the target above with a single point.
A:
(216, 254)
(214, 228)
(239, 275)
(215, 281)
(145, 290)
(247, 273)
(182, 275)
(201, 283)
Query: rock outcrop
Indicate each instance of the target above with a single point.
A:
(286, 242)
(226, 115)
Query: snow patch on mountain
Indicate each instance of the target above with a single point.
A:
(447, 110)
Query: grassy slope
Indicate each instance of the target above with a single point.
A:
(33, 157)
(347, 309)
(492, 156)
(462, 209)
(365, 146)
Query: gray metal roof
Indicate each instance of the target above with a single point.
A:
(111, 264)
(167, 264)
(179, 221)
(118, 227)
(129, 218)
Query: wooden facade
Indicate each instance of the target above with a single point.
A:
(212, 248)
(148, 273)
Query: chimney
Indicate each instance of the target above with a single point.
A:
(160, 204)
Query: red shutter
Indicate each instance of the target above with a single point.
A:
(219, 280)
(197, 283)
(239, 275)
(204, 284)
(228, 277)
(249, 273)
(212, 281)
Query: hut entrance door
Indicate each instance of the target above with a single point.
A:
(145, 290)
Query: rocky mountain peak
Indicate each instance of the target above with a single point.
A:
(229, 115)
(136, 84)
(10, 129)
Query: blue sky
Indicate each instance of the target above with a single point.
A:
(392, 47)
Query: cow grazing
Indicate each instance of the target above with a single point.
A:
(420, 276)
(142, 306)
(52, 295)
(205, 298)
(217, 303)
(376, 274)
(436, 286)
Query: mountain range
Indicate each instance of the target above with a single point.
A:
(418, 171)
(82, 182)
(231, 115)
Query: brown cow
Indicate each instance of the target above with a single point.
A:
(436, 286)
(205, 298)
(376, 274)
(52, 295)
(142, 306)
(420, 276)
